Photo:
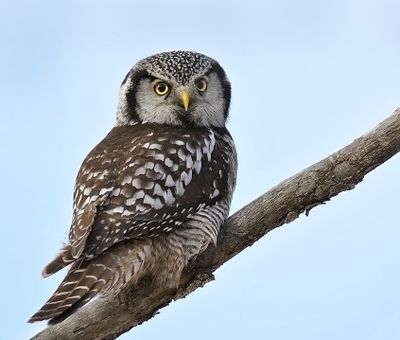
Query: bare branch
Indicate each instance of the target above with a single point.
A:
(109, 317)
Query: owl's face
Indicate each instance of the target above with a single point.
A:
(175, 88)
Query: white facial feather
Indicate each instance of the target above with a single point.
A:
(122, 110)
(152, 108)
(206, 109)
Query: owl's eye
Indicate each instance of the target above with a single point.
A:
(161, 88)
(201, 85)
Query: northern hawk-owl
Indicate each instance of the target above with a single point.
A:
(154, 192)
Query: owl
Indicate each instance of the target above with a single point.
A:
(153, 194)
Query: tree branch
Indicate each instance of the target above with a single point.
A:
(106, 318)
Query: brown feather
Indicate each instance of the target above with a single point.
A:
(63, 259)
(80, 281)
(120, 231)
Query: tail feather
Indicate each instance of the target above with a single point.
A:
(108, 272)
(82, 283)
(98, 287)
(63, 259)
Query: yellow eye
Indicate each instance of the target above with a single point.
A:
(201, 85)
(161, 88)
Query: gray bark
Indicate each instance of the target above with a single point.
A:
(106, 318)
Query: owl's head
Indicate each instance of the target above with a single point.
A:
(178, 88)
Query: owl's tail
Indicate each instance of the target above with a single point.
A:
(84, 280)
(63, 259)
(108, 272)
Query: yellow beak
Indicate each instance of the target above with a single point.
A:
(185, 99)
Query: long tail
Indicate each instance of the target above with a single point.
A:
(109, 271)
(82, 283)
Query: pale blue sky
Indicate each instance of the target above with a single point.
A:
(308, 77)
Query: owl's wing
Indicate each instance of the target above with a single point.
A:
(93, 187)
(145, 186)
(168, 178)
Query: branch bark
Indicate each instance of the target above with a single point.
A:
(107, 318)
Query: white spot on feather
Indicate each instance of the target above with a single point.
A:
(189, 162)
(171, 151)
(159, 157)
(180, 190)
(94, 198)
(181, 154)
(148, 200)
(197, 166)
(127, 212)
(168, 162)
(139, 171)
(137, 183)
(118, 210)
(215, 193)
(190, 148)
(169, 197)
(155, 146)
(127, 179)
(158, 204)
(149, 165)
(169, 182)
(158, 190)
(104, 191)
(87, 191)
(141, 207)
(158, 168)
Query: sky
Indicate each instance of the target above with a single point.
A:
(308, 77)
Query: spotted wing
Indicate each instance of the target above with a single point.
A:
(160, 177)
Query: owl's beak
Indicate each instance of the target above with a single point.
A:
(185, 99)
